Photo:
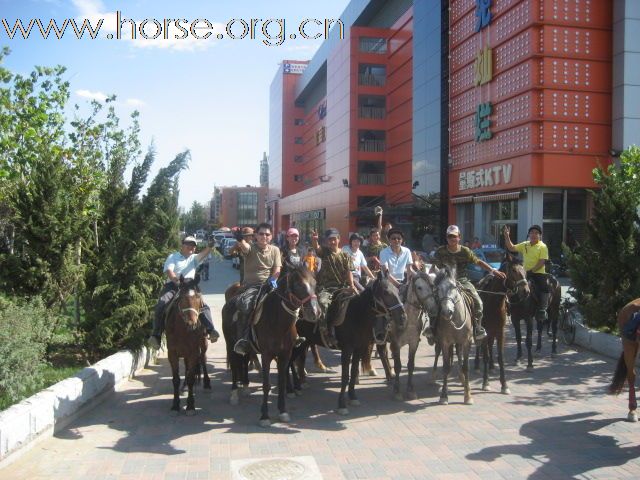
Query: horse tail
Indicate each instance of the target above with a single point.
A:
(619, 377)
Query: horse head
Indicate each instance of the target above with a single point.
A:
(447, 291)
(387, 298)
(422, 292)
(300, 291)
(516, 281)
(189, 301)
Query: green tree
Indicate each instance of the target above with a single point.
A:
(195, 218)
(605, 268)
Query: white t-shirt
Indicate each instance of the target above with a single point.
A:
(358, 260)
(397, 264)
(182, 265)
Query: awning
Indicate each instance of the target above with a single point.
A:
(498, 196)
(467, 199)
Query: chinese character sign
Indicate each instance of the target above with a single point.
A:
(483, 67)
(483, 14)
(483, 123)
(485, 177)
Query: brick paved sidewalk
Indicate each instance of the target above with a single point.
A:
(557, 423)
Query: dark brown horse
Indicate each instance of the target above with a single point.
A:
(494, 293)
(275, 332)
(525, 307)
(626, 368)
(355, 334)
(184, 339)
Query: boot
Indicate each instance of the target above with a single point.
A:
(243, 345)
(479, 333)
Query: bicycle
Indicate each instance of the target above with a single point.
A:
(568, 320)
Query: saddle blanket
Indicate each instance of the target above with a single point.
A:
(630, 329)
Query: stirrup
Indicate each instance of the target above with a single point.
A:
(242, 347)
(298, 342)
(213, 336)
(480, 334)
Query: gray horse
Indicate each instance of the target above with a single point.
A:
(454, 328)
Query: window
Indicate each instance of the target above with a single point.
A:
(371, 140)
(373, 45)
(372, 107)
(370, 201)
(371, 173)
(372, 75)
(247, 208)
(298, 158)
(298, 141)
(298, 121)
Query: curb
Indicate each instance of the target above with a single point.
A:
(599, 342)
(43, 414)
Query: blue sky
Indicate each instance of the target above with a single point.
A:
(211, 96)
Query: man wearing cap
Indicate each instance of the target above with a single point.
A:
(262, 263)
(459, 256)
(183, 263)
(534, 253)
(334, 275)
(247, 234)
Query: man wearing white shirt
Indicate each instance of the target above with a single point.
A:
(396, 258)
(183, 263)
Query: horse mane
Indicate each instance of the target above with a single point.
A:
(447, 271)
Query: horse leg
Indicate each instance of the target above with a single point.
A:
(476, 362)
(554, 330)
(355, 364)
(459, 353)
(384, 358)
(516, 327)
(500, 346)
(234, 362)
(397, 368)
(485, 361)
(540, 326)
(266, 387)
(283, 367)
(411, 363)
(175, 363)
(206, 381)
(345, 361)
(317, 361)
(190, 375)
(434, 371)
(466, 349)
(630, 354)
(367, 368)
(529, 343)
(446, 367)
(492, 364)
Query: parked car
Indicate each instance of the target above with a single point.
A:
(218, 240)
(228, 244)
(492, 254)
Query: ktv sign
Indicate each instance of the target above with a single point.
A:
(485, 177)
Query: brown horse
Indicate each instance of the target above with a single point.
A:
(275, 332)
(625, 370)
(184, 339)
(494, 293)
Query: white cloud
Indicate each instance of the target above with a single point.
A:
(101, 97)
(134, 102)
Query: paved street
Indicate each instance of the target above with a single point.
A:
(557, 423)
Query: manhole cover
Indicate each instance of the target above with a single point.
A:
(273, 469)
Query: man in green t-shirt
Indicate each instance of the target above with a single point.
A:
(534, 254)
(334, 275)
(459, 256)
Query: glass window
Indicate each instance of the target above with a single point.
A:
(373, 45)
(247, 208)
(552, 206)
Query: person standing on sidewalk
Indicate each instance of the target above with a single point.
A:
(183, 263)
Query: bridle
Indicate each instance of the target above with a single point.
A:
(292, 299)
(190, 309)
(513, 292)
(381, 309)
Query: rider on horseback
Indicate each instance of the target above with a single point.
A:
(183, 263)
(460, 256)
(334, 275)
(534, 253)
(262, 263)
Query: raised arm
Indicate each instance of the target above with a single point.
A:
(507, 240)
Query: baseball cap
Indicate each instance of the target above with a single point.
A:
(190, 239)
(332, 232)
(535, 227)
(293, 231)
(453, 230)
(247, 231)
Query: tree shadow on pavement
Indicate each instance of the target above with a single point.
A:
(565, 446)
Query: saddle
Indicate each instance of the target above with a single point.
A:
(631, 329)
(339, 304)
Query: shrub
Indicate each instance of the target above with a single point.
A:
(25, 327)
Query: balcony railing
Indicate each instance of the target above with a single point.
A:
(371, 178)
(373, 45)
(371, 79)
(371, 146)
(375, 113)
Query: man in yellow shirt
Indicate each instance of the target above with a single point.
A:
(535, 253)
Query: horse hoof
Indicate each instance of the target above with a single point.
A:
(355, 402)
(372, 373)
(191, 412)
(265, 423)
(486, 387)
(444, 401)
(398, 396)
(632, 417)
(505, 391)
(412, 396)
(342, 411)
(291, 395)
(284, 417)
(529, 368)
(468, 401)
